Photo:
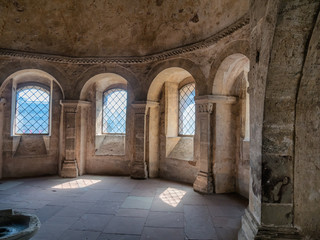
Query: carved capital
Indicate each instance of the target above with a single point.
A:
(139, 107)
(71, 106)
(205, 108)
(3, 101)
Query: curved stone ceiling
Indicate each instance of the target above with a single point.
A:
(112, 27)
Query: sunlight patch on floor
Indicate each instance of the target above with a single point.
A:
(79, 183)
(172, 196)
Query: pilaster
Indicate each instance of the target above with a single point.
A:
(70, 109)
(204, 180)
(208, 179)
(2, 103)
(138, 165)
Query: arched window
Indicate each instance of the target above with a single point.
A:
(32, 110)
(114, 111)
(187, 109)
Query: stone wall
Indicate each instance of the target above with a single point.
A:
(281, 48)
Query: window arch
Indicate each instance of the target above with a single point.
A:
(187, 109)
(32, 110)
(114, 111)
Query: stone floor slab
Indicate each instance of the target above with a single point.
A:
(137, 202)
(162, 234)
(125, 225)
(92, 222)
(165, 219)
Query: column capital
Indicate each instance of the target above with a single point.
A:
(216, 99)
(72, 105)
(139, 107)
(2, 101)
(152, 104)
(205, 107)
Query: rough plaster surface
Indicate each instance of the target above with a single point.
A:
(88, 28)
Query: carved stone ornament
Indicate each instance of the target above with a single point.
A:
(2, 101)
(205, 108)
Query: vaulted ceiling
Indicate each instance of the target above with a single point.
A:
(112, 27)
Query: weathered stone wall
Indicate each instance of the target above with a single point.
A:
(279, 156)
(284, 74)
(307, 138)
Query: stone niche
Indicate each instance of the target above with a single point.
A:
(107, 153)
(30, 155)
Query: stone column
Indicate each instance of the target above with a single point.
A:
(204, 180)
(213, 149)
(154, 120)
(69, 116)
(138, 165)
(2, 103)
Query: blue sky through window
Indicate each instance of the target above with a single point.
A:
(32, 110)
(187, 110)
(114, 111)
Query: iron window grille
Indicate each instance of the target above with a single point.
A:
(187, 109)
(114, 111)
(32, 111)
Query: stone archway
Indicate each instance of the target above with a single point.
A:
(105, 153)
(166, 84)
(231, 126)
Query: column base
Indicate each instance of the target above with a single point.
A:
(203, 183)
(138, 171)
(69, 169)
(250, 229)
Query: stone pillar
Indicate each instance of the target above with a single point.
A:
(2, 103)
(138, 165)
(225, 147)
(69, 116)
(154, 121)
(213, 150)
(204, 180)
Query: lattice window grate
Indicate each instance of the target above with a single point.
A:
(187, 109)
(114, 111)
(32, 110)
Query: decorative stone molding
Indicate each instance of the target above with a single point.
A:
(153, 104)
(133, 60)
(71, 106)
(216, 99)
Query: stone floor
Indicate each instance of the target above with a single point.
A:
(103, 207)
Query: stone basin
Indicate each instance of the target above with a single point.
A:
(15, 225)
